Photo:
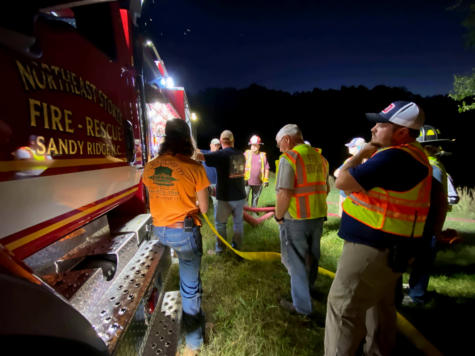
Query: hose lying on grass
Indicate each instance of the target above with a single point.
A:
(403, 325)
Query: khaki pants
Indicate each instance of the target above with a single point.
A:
(361, 302)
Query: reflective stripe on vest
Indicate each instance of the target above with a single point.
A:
(398, 213)
(247, 169)
(310, 190)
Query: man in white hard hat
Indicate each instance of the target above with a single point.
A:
(256, 173)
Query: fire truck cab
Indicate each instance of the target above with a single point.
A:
(84, 104)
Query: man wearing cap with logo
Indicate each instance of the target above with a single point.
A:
(384, 212)
(354, 146)
(256, 173)
(301, 208)
(214, 146)
(230, 192)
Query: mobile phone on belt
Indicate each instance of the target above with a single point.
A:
(188, 224)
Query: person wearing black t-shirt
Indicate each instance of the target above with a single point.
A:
(230, 190)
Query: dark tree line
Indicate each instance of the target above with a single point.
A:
(328, 119)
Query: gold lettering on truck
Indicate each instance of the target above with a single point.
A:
(34, 113)
(50, 116)
(37, 77)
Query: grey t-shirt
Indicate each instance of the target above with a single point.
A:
(285, 179)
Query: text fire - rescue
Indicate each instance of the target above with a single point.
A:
(51, 117)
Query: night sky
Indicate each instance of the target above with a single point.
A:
(301, 45)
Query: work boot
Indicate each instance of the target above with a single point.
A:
(408, 301)
(313, 317)
(289, 306)
(237, 241)
(219, 246)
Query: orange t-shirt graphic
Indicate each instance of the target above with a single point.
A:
(172, 183)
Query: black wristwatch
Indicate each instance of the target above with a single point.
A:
(278, 220)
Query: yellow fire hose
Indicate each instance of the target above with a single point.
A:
(251, 256)
(403, 325)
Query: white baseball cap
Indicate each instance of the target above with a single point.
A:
(356, 142)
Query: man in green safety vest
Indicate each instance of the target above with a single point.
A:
(385, 210)
(301, 207)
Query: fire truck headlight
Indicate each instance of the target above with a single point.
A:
(167, 82)
(170, 83)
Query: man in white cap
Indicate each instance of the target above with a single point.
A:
(354, 146)
(385, 210)
(300, 210)
(256, 174)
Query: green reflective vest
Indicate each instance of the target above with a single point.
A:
(310, 190)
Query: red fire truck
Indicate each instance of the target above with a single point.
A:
(84, 103)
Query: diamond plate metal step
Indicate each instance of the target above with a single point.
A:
(109, 277)
(141, 226)
(164, 332)
(115, 306)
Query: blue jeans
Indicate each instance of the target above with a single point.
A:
(188, 247)
(224, 210)
(421, 269)
(300, 248)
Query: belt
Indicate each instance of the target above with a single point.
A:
(177, 225)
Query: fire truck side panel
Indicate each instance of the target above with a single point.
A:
(74, 199)
(67, 158)
(82, 110)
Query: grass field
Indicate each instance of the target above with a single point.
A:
(241, 298)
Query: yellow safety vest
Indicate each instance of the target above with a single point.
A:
(398, 213)
(434, 162)
(247, 169)
(33, 154)
(310, 192)
(38, 166)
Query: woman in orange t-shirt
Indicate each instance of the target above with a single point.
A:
(175, 184)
